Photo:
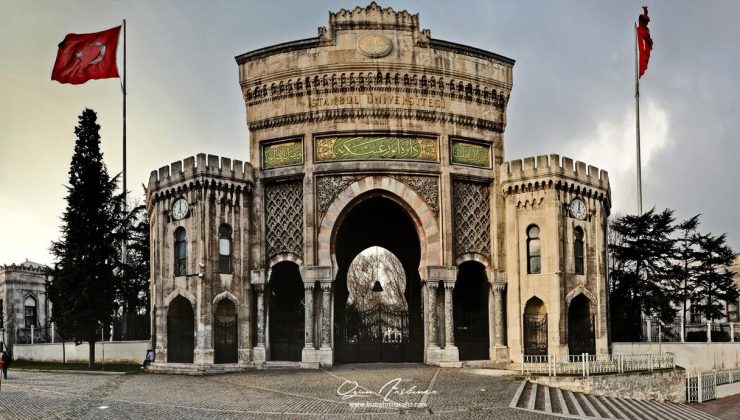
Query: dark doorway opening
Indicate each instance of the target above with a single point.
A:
(470, 308)
(581, 337)
(535, 327)
(180, 331)
(225, 336)
(287, 315)
(389, 330)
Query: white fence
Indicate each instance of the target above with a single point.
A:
(654, 331)
(587, 364)
(702, 386)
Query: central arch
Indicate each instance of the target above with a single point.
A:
(377, 219)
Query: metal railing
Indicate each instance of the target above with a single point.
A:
(587, 364)
(702, 386)
(654, 331)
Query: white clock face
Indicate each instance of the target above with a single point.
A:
(180, 209)
(578, 209)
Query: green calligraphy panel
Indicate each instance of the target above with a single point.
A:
(471, 154)
(376, 147)
(282, 154)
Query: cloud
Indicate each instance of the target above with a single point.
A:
(611, 146)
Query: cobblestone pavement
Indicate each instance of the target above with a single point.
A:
(724, 408)
(263, 394)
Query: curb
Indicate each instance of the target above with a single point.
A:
(85, 372)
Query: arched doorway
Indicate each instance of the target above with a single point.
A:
(287, 315)
(180, 331)
(470, 306)
(225, 337)
(384, 325)
(581, 338)
(535, 327)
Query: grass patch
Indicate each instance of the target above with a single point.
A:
(108, 367)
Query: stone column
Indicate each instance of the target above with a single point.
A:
(260, 289)
(308, 310)
(432, 291)
(326, 315)
(498, 313)
(449, 320)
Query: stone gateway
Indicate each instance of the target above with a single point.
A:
(374, 133)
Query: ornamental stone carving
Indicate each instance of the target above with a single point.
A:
(284, 218)
(427, 187)
(328, 187)
(472, 217)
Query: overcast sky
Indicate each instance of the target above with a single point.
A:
(573, 93)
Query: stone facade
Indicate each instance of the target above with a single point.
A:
(369, 131)
(20, 286)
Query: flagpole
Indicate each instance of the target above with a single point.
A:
(637, 112)
(125, 204)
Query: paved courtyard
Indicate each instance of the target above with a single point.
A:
(443, 393)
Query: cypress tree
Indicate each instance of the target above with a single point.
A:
(83, 288)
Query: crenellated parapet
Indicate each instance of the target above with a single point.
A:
(26, 266)
(554, 171)
(201, 172)
(373, 17)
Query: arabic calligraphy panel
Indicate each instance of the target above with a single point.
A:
(285, 153)
(376, 147)
(473, 154)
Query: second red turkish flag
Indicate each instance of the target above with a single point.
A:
(644, 41)
(84, 57)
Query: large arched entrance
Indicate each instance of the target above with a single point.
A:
(535, 327)
(225, 333)
(581, 338)
(287, 316)
(180, 331)
(470, 305)
(383, 327)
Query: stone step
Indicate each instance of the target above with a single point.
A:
(543, 399)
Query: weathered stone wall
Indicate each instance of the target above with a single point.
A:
(115, 352)
(664, 386)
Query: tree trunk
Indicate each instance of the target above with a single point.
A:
(91, 362)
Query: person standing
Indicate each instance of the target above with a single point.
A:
(6, 357)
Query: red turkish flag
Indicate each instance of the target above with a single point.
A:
(644, 42)
(83, 57)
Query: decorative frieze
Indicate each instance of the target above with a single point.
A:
(356, 114)
(284, 218)
(472, 217)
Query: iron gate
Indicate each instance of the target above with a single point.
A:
(471, 334)
(379, 334)
(180, 331)
(225, 339)
(535, 334)
(581, 337)
(287, 331)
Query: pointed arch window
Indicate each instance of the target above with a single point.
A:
(224, 249)
(534, 253)
(578, 249)
(29, 305)
(181, 256)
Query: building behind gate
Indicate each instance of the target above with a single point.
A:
(375, 133)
